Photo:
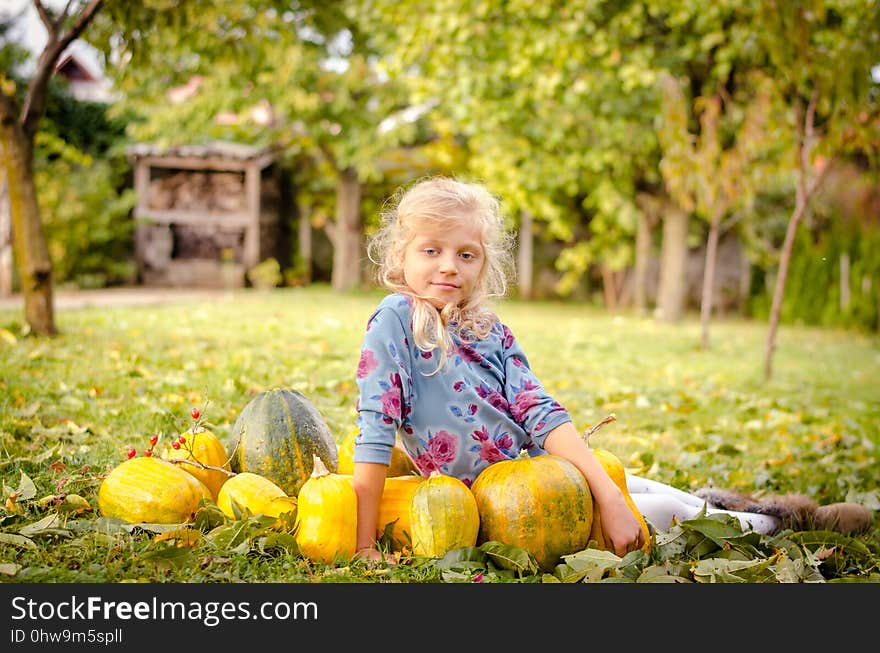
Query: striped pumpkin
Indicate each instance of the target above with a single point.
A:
(540, 504)
(151, 490)
(443, 515)
(277, 436)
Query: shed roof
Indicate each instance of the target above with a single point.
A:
(213, 150)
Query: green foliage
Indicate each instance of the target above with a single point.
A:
(813, 291)
(86, 219)
(72, 406)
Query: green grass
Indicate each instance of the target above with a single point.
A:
(71, 406)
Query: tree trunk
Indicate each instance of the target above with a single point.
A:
(779, 289)
(525, 265)
(6, 277)
(844, 282)
(640, 274)
(28, 242)
(304, 240)
(673, 261)
(804, 190)
(709, 277)
(609, 287)
(346, 233)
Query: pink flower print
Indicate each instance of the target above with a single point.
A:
(391, 403)
(442, 447)
(458, 386)
(523, 403)
(366, 364)
(507, 338)
(489, 451)
(516, 361)
(504, 442)
(425, 354)
(497, 400)
(425, 464)
(472, 409)
(480, 435)
(469, 354)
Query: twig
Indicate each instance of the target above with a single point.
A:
(612, 417)
(196, 463)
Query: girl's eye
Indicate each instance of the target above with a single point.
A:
(430, 251)
(468, 256)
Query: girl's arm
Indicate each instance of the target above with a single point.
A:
(618, 521)
(368, 480)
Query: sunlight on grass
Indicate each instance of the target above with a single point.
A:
(70, 407)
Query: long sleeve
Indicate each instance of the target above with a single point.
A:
(384, 380)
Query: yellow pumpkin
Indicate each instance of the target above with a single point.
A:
(206, 448)
(394, 508)
(401, 464)
(326, 518)
(256, 493)
(443, 515)
(616, 471)
(151, 490)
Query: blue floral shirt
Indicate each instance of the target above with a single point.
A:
(483, 406)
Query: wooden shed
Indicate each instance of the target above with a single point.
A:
(206, 214)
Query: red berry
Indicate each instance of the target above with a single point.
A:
(181, 439)
(153, 440)
(131, 453)
(176, 445)
(148, 453)
(195, 413)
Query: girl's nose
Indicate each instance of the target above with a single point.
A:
(447, 264)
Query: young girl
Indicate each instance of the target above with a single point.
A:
(438, 368)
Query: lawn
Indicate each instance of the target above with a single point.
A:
(70, 408)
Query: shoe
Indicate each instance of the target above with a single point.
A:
(843, 518)
(795, 511)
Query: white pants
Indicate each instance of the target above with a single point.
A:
(660, 504)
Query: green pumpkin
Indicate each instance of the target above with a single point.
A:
(541, 504)
(276, 436)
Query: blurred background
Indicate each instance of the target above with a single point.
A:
(658, 157)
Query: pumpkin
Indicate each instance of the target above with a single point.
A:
(401, 464)
(443, 515)
(278, 434)
(203, 447)
(540, 504)
(326, 518)
(151, 490)
(256, 493)
(394, 507)
(616, 471)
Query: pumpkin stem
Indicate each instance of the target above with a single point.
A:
(596, 427)
(318, 467)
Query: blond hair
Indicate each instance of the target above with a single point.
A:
(444, 202)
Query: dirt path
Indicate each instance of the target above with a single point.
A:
(132, 296)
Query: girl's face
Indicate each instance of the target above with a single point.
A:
(443, 264)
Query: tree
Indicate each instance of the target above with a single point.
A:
(820, 54)
(709, 173)
(310, 70)
(20, 113)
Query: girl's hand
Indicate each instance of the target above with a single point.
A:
(620, 526)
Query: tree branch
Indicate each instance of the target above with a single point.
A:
(35, 100)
